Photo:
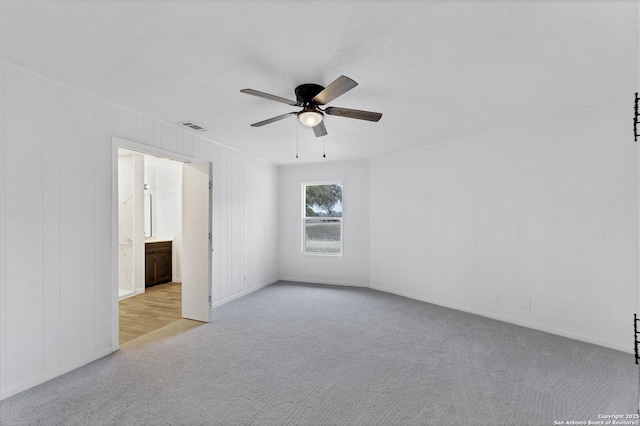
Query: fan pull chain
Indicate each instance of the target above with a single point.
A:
(296, 124)
(324, 147)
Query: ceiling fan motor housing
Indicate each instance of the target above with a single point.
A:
(306, 92)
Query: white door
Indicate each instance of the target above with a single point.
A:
(196, 241)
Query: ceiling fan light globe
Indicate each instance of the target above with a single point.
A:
(310, 118)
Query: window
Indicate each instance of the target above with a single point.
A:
(322, 218)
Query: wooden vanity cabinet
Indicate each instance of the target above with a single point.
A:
(157, 263)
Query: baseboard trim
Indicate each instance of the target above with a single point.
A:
(243, 293)
(551, 330)
(133, 293)
(14, 390)
(329, 282)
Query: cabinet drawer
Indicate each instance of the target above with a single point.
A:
(159, 246)
(163, 256)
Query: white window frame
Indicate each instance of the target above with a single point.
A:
(303, 204)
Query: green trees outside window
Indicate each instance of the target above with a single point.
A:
(323, 219)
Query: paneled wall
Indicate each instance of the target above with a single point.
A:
(352, 268)
(535, 225)
(55, 222)
(245, 220)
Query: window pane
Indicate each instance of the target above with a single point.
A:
(322, 235)
(323, 218)
(323, 200)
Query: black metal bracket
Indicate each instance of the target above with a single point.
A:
(635, 336)
(635, 121)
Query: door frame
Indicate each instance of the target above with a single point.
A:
(116, 143)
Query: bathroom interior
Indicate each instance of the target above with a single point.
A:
(149, 221)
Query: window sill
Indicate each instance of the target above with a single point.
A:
(322, 254)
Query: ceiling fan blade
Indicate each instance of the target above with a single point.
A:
(274, 119)
(271, 97)
(340, 86)
(320, 130)
(354, 113)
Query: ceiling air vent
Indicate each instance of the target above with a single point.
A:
(193, 126)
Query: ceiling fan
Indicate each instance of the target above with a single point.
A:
(310, 97)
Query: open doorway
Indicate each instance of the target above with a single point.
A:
(155, 194)
(149, 222)
(149, 243)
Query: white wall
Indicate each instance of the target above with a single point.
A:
(245, 223)
(545, 212)
(352, 268)
(56, 225)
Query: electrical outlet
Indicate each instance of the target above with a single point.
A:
(525, 303)
(498, 298)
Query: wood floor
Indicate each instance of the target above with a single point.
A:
(157, 307)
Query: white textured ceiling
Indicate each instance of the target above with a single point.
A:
(437, 70)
